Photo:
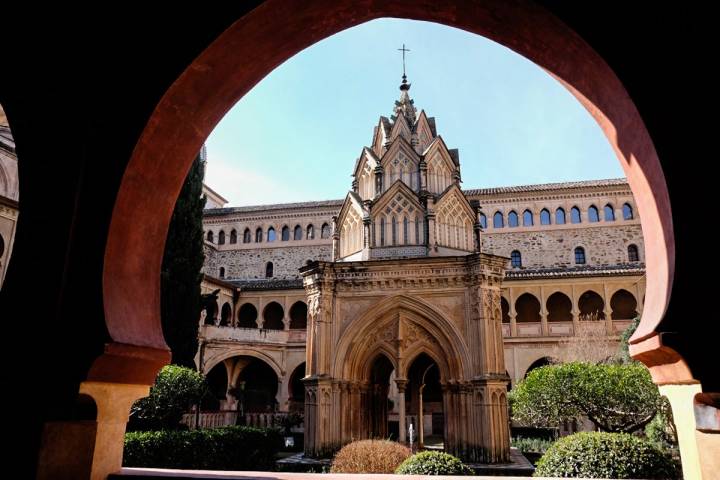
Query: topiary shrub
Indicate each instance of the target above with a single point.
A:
(227, 448)
(370, 456)
(606, 455)
(433, 463)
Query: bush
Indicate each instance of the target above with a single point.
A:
(175, 391)
(228, 448)
(370, 456)
(433, 463)
(605, 455)
(538, 445)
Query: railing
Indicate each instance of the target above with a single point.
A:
(563, 329)
(251, 335)
(223, 418)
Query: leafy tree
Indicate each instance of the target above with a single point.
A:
(624, 349)
(175, 391)
(182, 262)
(616, 398)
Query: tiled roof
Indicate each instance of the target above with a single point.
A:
(277, 206)
(548, 186)
(268, 284)
(585, 271)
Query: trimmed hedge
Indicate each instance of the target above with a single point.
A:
(370, 456)
(606, 455)
(228, 448)
(433, 463)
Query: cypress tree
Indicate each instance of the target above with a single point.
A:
(181, 269)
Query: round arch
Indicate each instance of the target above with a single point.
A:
(214, 360)
(278, 29)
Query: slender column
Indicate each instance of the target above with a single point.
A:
(421, 428)
(512, 313)
(543, 313)
(609, 329)
(401, 384)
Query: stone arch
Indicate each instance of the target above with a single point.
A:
(223, 355)
(354, 349)
(505, 310)
(540, 362)
(559, 308)
(247, 316)
(623, 305)
(528, 308)
(591, 306)
(273, 315)
(226, 314)
(198, 99)
(296, 388)
(298, 315)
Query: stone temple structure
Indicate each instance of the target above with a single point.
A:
(407, 286)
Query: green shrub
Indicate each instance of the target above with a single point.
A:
(228, 448)
(433, 463)
(370, 456)
(538, 445)
(606, 455)
(175, 391)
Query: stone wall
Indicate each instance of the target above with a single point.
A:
(604, 245)
(250, 264)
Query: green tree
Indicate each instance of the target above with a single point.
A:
(182, 262)
(175, 391)
(624, 349)
(616, 398)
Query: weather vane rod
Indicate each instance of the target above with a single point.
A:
(403, 50)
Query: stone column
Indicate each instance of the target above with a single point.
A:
(575, 311)
(609, 328)
(423, 175)
(544, 330)
(401, 385)
(378, 181)
(335, 240)
(430, 224)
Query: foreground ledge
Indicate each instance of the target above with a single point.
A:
(155, 473)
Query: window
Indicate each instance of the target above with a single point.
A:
(627, 212)
(233, 236)
(259, 235)
(247, 238)
(633, 254)
(285, 233)
(325, 231)
(575, 215)
(221, 238)
(580, 256)
(310, 232)
(498, 220)
(515, 259)
(405, 231)
(394, 231)
(210, 236)
(382, 232)
(268, 270)
(418, 240)
(483, 221)
(297, 234)
(527, 218)
(222, 272)
(271, 234)
(544, 217)
(593, 214)
(560, 216)
(609, 213)
(513, 219)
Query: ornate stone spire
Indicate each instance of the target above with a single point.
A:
(405, 105)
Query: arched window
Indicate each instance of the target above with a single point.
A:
(221, 238)
(210, 237)
(579, 255)
(297, 234)
(233, 236)
(394, 231)
(298, 315)
(273, 315)
(382, 232)
(609, 212)
(559, 307)
(405, 231)
(483, 221)
(623, 305)
(418, 240)
(498, 220)
(259, 235)
(505, 309)
(325, 231)
(575, 215)
(285, 233)
(627, 212)
(247, 316)
(222, 272)
(271, 234)
(225, 315)
(527, 218)
(544, 217)
(247, 238)
(515, 259)
(513, 219)
(591, 306)
(593, 214)
(310, 232)
(633, 254)
(560, 216)
(268, 270)
(527, 308)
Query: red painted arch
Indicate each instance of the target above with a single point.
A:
(278, 29)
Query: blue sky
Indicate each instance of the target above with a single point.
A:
(296, 135)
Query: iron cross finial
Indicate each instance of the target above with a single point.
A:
(403, 50)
